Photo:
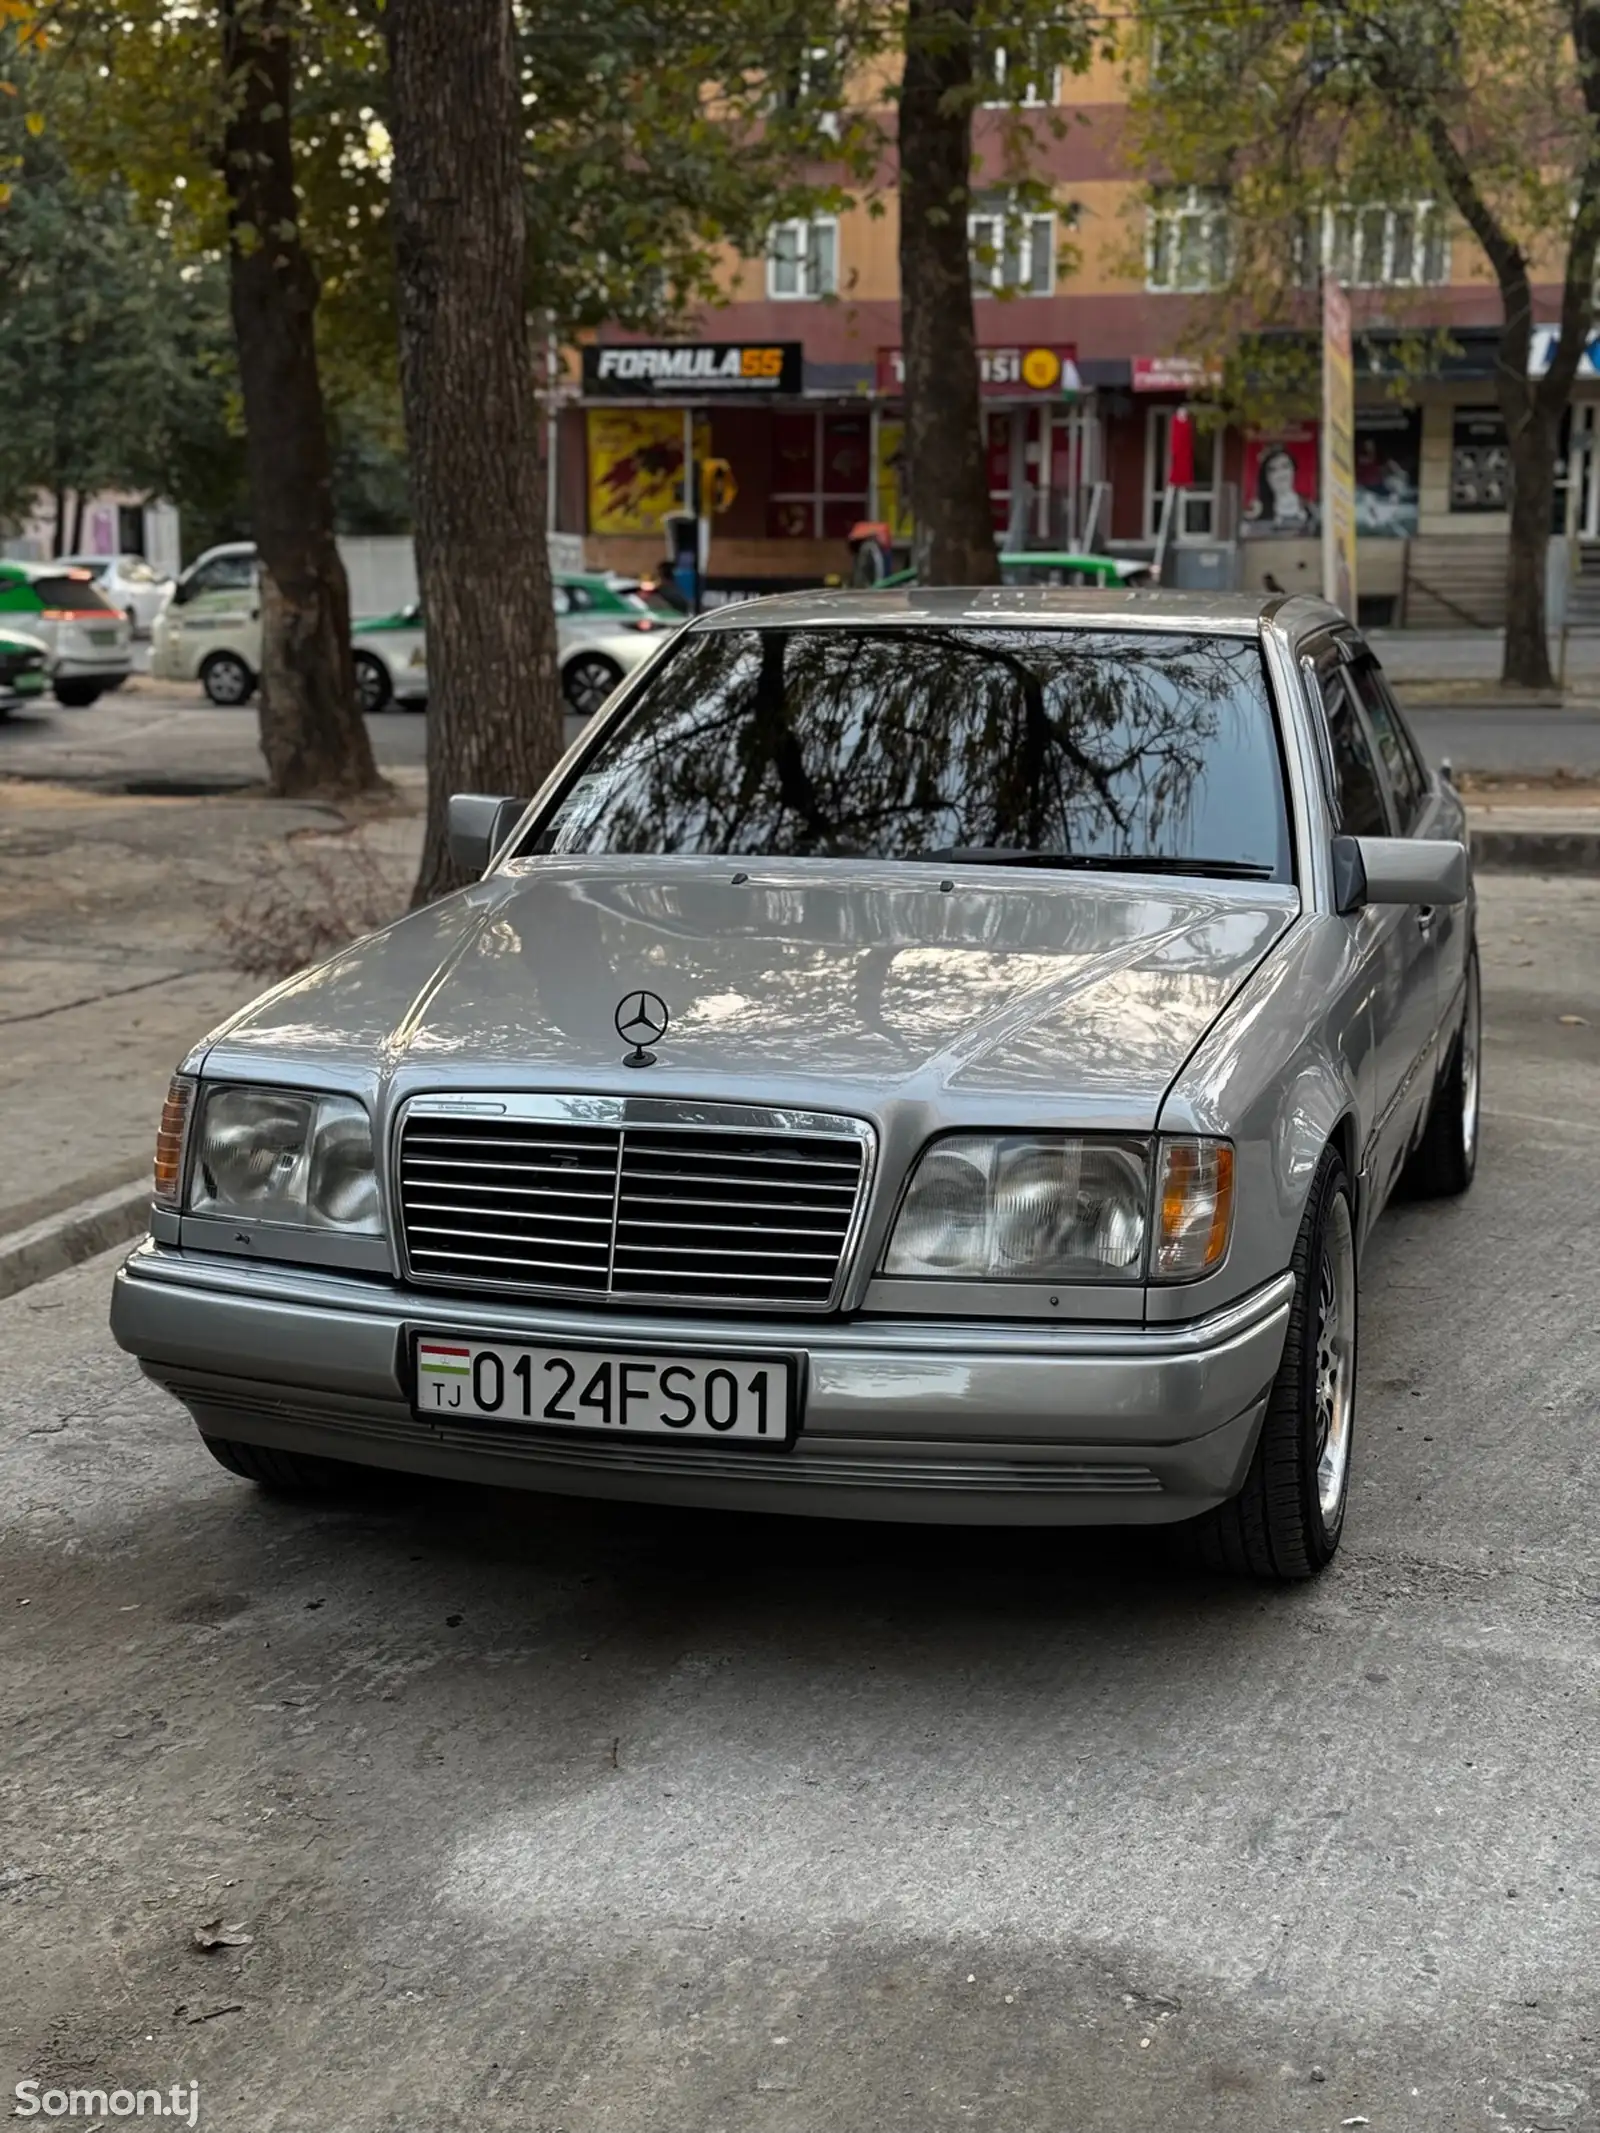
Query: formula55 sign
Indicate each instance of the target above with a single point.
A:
(653, 370)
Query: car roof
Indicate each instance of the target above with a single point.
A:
(1137, 607)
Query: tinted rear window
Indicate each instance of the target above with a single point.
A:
(907, 743)
(81, 594)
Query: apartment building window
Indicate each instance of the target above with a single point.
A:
(812, 82)
(821, 474)
(1381, 247)
(1011, 252)
(1186, 240)
(1017, 75)
(803, 259)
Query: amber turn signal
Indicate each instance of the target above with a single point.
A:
(169, 1142)
(1196, 1208)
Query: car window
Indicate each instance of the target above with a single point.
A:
(72, 593)
(908, 743)
(562, 598)
(1363, 809)
(579, 598)
(1407, 779)
(224, 573)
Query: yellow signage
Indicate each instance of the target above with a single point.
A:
(636, 466)
(1338, 451)
(1041, 367)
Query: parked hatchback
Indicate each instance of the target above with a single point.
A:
(89, 644)
(210, 629)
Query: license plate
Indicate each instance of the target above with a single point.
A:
(102, 636)
(634, 1393)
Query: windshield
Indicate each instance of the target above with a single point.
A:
(916, 743)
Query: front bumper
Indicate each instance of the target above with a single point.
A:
(968, 1422)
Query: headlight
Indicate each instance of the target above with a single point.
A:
(1060, 1207)
(274, 1156)
(1025, 1207)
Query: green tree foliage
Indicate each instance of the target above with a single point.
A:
(1301, 111)
(106, 337)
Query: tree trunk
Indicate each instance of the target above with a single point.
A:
(1533, 435)
(312, 732)
(947, 478)
(79, 500)
(472, 413)
(58, 537)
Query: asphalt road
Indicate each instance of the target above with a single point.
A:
(176, 740)
(545, 1816)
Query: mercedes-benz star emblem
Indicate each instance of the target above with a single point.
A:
(641, 1018)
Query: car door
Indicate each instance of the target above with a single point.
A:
(1428, 807)
(221, 611)
(1394, 957)
(1404, 999)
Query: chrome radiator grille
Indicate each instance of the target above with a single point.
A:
(719, 1205)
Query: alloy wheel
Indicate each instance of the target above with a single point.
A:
(1335, 1365)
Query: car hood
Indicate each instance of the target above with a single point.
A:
(831, 983)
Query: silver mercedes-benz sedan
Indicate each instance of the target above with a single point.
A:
(929, 1055)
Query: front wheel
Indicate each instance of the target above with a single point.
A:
(1285, 1522)
(588, 680)
(227, 680)
(78, 695)
(373, 686)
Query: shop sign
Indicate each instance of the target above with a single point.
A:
(1173, 374)
(1338, 451)
(1280, 483)
(1542, 349)
(1046, 369)
(1480, 461)
(693, 369)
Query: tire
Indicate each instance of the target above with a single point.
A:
(587, 679)
(77, 695)
(284, 1473)
(1285, 1523)
(373, 686)
(1445, 1160)
(227, 680)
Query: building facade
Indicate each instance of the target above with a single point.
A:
(1082, 313)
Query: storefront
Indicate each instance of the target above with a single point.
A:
(812, 449)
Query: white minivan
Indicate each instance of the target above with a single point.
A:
(210, 629)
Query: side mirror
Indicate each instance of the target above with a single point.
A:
(476, 827)
(1398, 870)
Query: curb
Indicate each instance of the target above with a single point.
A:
(75, 1234)
(1531, 851)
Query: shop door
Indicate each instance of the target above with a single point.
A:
(1582, 443)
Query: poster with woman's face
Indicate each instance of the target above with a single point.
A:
(1388, 471)
(1280, 483)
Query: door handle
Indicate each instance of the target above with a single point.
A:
(1425, 918)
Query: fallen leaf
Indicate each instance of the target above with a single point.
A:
(214, 1934)
(1574, 1021)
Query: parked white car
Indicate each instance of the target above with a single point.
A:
(391, 660)
(89, 643)
(210, 632)
(131, 584)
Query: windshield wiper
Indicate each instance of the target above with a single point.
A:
(1001, 855)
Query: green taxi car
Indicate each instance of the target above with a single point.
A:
(24, 668)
